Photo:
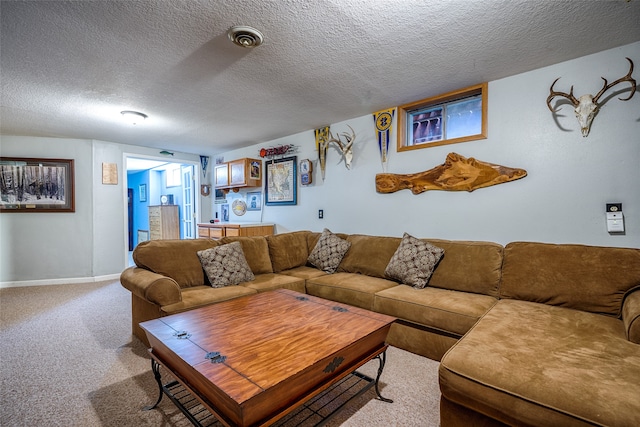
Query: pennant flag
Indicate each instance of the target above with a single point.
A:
(204, 161)
(383, 120)
(322, 135)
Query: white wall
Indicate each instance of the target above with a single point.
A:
(49, 245)
(562, 200)
(88, 244)
(570, 178)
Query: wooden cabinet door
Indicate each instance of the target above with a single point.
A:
(237, 172)
(221, 175)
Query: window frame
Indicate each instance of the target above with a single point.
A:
(405, 111)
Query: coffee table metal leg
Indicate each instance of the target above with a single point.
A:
(155, 367)
(382, 357)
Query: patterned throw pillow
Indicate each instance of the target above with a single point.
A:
(328, 252)
(413, 262)
(225, 265)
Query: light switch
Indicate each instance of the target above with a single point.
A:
(615, 218)
(615, 222)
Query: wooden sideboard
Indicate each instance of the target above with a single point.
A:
(164, 222)
(221, 229)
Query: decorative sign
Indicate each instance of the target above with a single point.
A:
(383, 120)
(277, 151)
(306, 169)
(110, 173)
(239, 207)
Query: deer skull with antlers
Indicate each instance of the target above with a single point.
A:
(586, 106)
(347, 147)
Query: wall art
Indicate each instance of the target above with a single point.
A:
(457, 173)
(36, 185)
(142, 192)
(587, 106)
(254, 201)
(281, 183)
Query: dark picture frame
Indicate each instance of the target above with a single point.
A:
(281, 182)
(142, 191)
(36, 185)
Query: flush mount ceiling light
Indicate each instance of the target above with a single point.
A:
(133, 117)
(245, 36)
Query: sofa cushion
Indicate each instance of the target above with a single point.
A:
(328, 252)
(256, 251)
(271, 281)
(288, 250)
(304, 272)
(314, 236)
(413, 262)
(533, 364)
(225, 265)
(349, 288)
(442, 309)
(369, 255)
(200, 296)
(588, 278)
(468, 266)
(176, 259)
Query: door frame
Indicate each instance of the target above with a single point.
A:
(125, 187)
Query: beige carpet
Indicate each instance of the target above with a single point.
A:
(67, 358)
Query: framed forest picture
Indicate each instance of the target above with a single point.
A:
(36, 185)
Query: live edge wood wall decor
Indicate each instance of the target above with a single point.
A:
(458, 173)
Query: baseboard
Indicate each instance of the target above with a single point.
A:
(46, 282)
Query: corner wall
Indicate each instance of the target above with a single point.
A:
(562, 200)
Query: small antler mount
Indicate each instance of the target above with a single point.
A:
(586, 107)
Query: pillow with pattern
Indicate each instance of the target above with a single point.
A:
(413, 262)
(225, 265)
(328, 252)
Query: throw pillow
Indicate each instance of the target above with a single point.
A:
(413, 262)
(328, 252)
(225, 265)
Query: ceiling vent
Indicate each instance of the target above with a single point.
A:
(245, 36)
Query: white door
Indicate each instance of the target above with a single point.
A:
(188, 207)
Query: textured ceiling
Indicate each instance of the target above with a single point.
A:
(67, 69)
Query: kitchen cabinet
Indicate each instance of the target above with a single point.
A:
(221, 229)
(238, 174)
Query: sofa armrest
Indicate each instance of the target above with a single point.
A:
(631, 316)
(153, 287)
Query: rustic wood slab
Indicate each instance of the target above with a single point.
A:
(276, 349)
(458, 173)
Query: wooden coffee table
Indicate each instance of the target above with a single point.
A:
(252, 360)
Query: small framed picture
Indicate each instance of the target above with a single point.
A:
(254, 201)
(142, 192)
(224, 211)
(254, 169)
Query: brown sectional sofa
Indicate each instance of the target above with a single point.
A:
(527, 334)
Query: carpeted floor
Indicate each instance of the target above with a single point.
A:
(67, 358)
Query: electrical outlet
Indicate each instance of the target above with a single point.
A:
(320, 213)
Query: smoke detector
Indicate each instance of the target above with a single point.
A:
(245, 36)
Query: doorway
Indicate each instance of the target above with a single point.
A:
(158, 181)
